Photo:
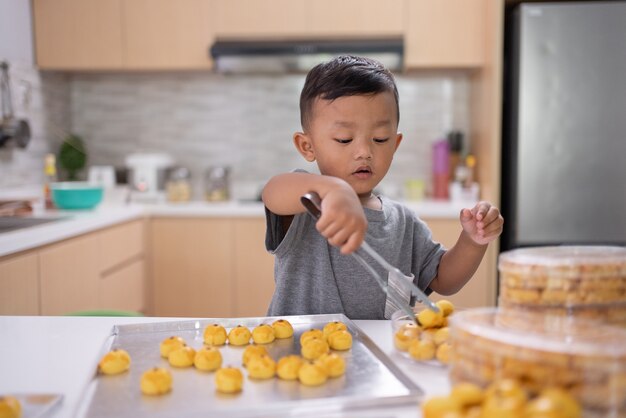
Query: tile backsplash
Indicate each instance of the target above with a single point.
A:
(204, 119)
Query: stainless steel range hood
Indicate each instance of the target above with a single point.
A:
(296, 56)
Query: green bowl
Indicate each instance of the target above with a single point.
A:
(76, 195)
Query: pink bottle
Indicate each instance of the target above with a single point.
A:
(441, 169)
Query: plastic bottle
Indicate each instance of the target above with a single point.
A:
(441, 169)
(50, 176)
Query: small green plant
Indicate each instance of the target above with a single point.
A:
(72, 156)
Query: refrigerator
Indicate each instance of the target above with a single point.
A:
(564, 127)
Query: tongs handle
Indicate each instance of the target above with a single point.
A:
(313, 204)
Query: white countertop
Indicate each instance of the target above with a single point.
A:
(59, 355)
(75, 223)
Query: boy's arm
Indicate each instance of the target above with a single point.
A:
(343, 221)
(481, 225)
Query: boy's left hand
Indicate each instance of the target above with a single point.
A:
(483, 223)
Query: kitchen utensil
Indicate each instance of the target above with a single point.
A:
(76, 195)
(148, 171)
(313, 204)
(10, 127)
(372, 380)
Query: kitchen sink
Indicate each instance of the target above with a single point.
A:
(12, 223)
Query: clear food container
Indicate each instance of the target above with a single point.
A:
(580, 281)
(583, 357)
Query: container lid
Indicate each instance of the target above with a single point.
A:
(542, 332)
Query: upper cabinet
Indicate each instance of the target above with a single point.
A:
(445, 33)
(122, 34)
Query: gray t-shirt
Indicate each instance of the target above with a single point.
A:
(313, 277)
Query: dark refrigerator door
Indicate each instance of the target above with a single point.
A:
(564, 151)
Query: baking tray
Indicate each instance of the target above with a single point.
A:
(371, 379)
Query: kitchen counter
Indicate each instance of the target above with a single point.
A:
(73, 223)
(59, 355)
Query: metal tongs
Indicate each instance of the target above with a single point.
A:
(313, 204)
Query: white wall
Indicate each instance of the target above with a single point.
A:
(16, 40)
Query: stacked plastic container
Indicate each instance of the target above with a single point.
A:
(579, 281)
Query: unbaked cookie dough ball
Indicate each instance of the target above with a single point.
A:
(312, 374)
(331, 327)
(156, 381)
(214, 334)
(334, 364)
(114, 362)
(404, 335)
(263, 334)
(287, 367)
(312, 333)
(253, 350)
(422, 350)
(10, 407)
(261, 367)
(228, 380)
(314, 348)
(239, 335)
(182, 357)
(208, 358)
(282, 328)
(340, 340)
(170, 344)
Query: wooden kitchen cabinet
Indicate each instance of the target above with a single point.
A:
(19, 285)
(210, 267)
(445, 33)
(78, 34)
(481, 289)
(122, 34)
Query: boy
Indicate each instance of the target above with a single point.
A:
(349, 115)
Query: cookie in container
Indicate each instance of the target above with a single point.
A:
(580, 281)
(583, 357)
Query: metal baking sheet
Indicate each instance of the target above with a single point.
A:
(371, 379)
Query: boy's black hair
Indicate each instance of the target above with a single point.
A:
(345, 75)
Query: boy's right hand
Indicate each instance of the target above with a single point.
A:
(343, 221)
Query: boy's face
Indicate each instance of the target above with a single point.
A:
(353, 138)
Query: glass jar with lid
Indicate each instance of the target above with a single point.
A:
(216, 184)
(178, 186)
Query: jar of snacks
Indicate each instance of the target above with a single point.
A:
(582, 357)
(580, 281)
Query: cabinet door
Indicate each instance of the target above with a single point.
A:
(78, 34)
(123, 288)
(445, 33)
(69, 274)
(355, 18)
(191, 265)
(19, 285)
(166, 34)
(265, 19)
(254, 268)
(120, 243)
(480, 290)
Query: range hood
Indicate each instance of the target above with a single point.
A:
(296, 56)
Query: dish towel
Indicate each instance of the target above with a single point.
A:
(396, 285)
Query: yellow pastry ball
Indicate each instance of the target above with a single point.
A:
(565, 404)
(443, 353)
(340, 340)
(467, 394)
(312, 374)
(331, 327)
(422, 350)
(170, 344)
(263, 334)
(261, 367)
(504, 398)
(313, 348)
(214, 334)
(287, 367)
(441, 406)
(208, 358)
(156, 381)
(282, 328)
(229, 380)
(312, 333)
(10, 407)
(442, 335)
(430, 319)
(239, 335)
(114, 362)
(253, 350)
(404, 335)
(445, 306)
(334, 364)
(182, 357)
